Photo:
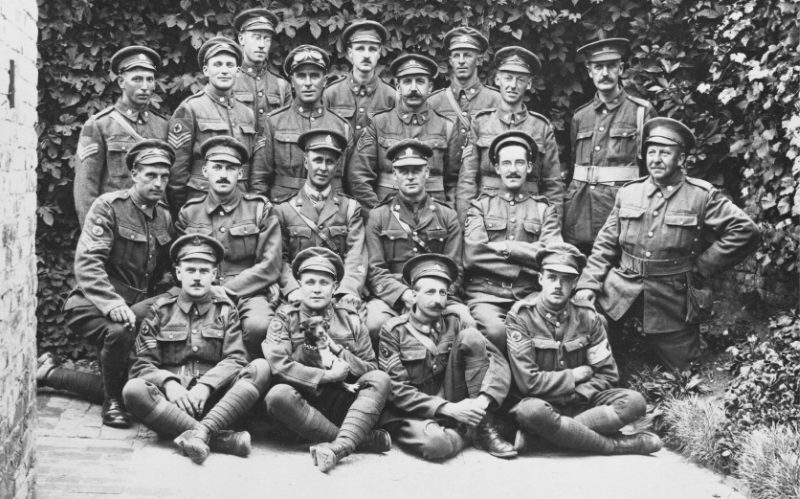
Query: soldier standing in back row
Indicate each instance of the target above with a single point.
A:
(285, 174)
(209, 113)
(258, 86)
(107, 136)
(515, 68)
(606, 137)
(361, 93)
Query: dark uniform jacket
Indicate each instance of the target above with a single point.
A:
(544, 346)
(346, 330)
(470, 101)
(419, 379)
(602, 135)
(285, 173)
(525, 223)
(262, 90)
(477, 173)
(390, 246)
(654, 238)
(120, 248)
(339, 220)
(182, 340)
(248, 229)
(101, 152)
(371, 177)
(207, 114)
(356, 102)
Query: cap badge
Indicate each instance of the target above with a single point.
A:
(329, 139)
(605, 48)
(142, 57)
(196, 241)
(438, 267)
(409, 152)
(563, 258)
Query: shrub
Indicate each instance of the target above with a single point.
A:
(695, 427)
(769, 463)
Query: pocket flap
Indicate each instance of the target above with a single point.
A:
(337, 230)
(244, 230)
(439, 234)
(413, 354)
(543, 344)
(630, 212)
(274, 101)
(198, 230)
(299, 231)
(393, 234)
(172, 334)
(495, 223)
(244, 97)
(287, 136)
(130, 234)
(576, 343)
(622, 132)
(164, 238)
(681, 220)
(119, 146)
(485, 140)
(344, 112)
(584, 134)
(435, 143)
(212, 331)
(532, 227)
(213, 126)
(387, 142)
(247, 129)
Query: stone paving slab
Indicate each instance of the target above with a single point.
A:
(79, 458)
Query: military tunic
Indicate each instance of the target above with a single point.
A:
(602, 135)
(208, 114)
(101, 152)
(371, 175)
(285, 173)
(470, 101)
(478, 174)
(339, 220)
(262, 90)
(356, 102)
(653, 240)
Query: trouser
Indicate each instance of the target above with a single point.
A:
(678, 350)
(491, 320)
(227, 403)
(465, 377)
(378, 312)
(332, 414)
(581, 427)
(256, 314)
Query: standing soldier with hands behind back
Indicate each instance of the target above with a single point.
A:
(108, 135)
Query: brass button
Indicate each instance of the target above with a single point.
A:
(222, 229)
(194, 349)
(648, 254)
(596, 148)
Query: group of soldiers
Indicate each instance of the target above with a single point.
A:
(365, 264)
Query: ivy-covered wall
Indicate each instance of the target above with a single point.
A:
(727, 68)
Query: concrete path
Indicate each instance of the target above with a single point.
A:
(79, 458)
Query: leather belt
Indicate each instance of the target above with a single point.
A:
(193, 369)
(603, 174)
(128, 293)
(298, 183)
(645, 267)
(433, 184)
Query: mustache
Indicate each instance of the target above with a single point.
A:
(223, 181)
(513, 175)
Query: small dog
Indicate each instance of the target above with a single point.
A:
(316, 351)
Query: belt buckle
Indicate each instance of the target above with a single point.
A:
(591, 174)
(506, 284)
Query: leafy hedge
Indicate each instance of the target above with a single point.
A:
(685, 56)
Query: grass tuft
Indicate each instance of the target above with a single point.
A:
(694, 427)
(769, 463)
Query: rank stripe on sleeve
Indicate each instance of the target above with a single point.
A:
(84, 151)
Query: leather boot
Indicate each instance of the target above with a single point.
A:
(527, 442)
(47, 362)
(376, 442)
(194, 443)
(643, 443)
(488, 438)
(236, 443)
(327, 455)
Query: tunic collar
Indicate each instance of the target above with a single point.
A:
(508, 196)
(617, 101)
(428, 328)
(218, 96)
(230, 204)
(203, 304)
(551, 316)
(131, 114)
(469, 92)
(361, 89)
(315, 195)
(408, 117)
(668, 190)
(306, 314)
(410, 204)
(315, 111)
(253, 70)
(510, 118)
(142, 204)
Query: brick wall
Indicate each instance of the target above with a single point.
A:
(18, 77)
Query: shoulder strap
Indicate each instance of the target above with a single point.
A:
(419, 242)
(639, 130)
(452, 100)
(260, 211)
(127, 126)
(313, 226)
(542, 209)
(426, 342)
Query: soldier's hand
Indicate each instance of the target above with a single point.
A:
(338, 372)
(178, 395)
(198, 396)
(124, 315)
(408, 298)
(274, 293)
(294, 297)
(585, 294)
(466, 411)
(350, 301)
(582, 374)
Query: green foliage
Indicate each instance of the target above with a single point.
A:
(769, 463)
(695, 427)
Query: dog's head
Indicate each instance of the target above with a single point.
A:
(315, 330)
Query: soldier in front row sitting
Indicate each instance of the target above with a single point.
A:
(564, 369)
(445, 375)
(311, 401)
(407, 224)
(190, 360)
(317, 216)
(504, 230)
(247, 227)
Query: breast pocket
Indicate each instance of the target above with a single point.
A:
(117, 146)
(583, 147)
(533, 229)
(245, 98)
(495, 228)
(623, 143)
(299, 239)
(244, 239)
(436, 162)
(210, 347)
(288, 155)
(546, 354)
(576, 351)
(338, 233)
(396, 245)
(414, 362)
(129, 249)
(345, 112)
(630, 220)
(247, 135)
(172, 342)
(210, 129)
(681, 231)
(435, 239)
(384, 143)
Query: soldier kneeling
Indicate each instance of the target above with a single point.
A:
(191, 361)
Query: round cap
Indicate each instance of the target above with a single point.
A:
(319, 259)
(306, 54)
(197, 247)
(133, 57)
(414, 64)
(605, 50)
(465, 38)
(150, 152)
(224, 148)
(668, 132)
(365, 31)
(322, 138)
(409, 152)
(255, 20)
(518, 60)
(430, 265)
(561, 257)
(513, 137)
(219, 45)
